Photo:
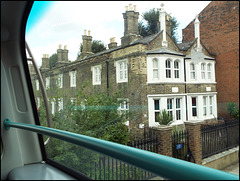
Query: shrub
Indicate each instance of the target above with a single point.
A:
(233, 110)
(164, 118)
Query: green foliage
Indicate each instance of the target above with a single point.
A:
(97, 115)
(151, 18)
(233, 110)
(52, 60)
(164, 118)
(97, 46)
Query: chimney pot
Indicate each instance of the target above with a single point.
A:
(85, 32)
(126, 8)
(89, 32)
(135, 8)
(112, 40)
(60, 46)
(130, 7)
(65, 47)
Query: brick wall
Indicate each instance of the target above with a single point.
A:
(219, 32)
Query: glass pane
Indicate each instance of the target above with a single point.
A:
(156, 105)
(169, 103)
(194, 102)
(178, 103)
(155, 63)
(194, 111)
(178, 115)
(155, 73)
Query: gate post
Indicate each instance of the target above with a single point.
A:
(195, 139)
(164, 137)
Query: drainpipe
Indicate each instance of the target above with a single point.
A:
(185, 87)
(107, 65)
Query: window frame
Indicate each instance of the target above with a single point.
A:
(124, 71)
(209, 71)
(177, 69)
(194, 107)
(155, 68)
(60, 81)
(168, 69)
(96, 72)
(47, 82)
(193, 71)
(203, 71)
(72, 80)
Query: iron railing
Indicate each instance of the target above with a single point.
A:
(164, 166)
(219, 137)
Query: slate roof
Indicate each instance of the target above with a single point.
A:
(146, 39)
(186, 45)
(164, 50)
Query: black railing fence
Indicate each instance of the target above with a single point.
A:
(107, 168)
(179, 144)
(219, 137)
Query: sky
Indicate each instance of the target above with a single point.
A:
(63, 22)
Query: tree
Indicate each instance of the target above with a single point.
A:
(52, 60)
(97, 46)
(97, 115)
(151, 18)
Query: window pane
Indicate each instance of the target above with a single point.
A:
(169, 103)
(155, 63)
(194, 101)
(178, 103)
(155, 73)
(178, 115)
(194, 111)
(156, 105)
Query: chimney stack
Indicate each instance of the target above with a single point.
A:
(86, 44)
(163, 25)
(112, 43)
(45, 62)
(197, 32)
(131, 32)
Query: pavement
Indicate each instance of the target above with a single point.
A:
(232, 169)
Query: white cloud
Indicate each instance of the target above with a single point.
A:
(66, 20)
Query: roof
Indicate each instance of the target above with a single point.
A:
(164, 50)
(146, 39)
(186, 45)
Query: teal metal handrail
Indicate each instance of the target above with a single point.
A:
(161, 165)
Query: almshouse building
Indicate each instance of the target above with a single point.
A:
(154, 72)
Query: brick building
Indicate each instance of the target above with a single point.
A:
(154, 72)
(220, 35)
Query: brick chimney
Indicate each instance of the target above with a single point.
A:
(62, 55)
(112, 43)
(65, 54)
(45, 62)
(86, 44)
(131, 32)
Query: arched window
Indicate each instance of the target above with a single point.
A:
(168, 68)
(176, 69)
(203, 69)
(209, 67)
(192, 71)
(155, 68)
